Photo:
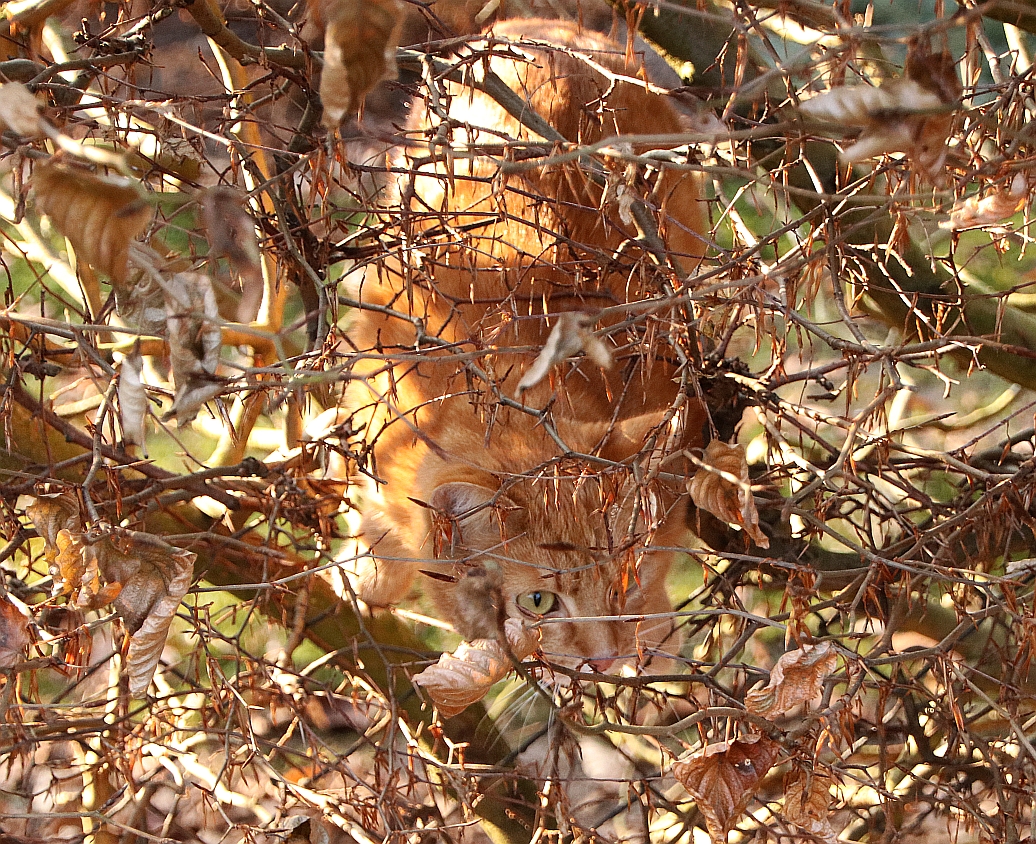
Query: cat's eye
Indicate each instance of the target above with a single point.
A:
(537, 603)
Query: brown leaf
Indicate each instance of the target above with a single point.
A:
(144, 568)
(570, 335)
(797, 678)
(153, 578)
(864, 105)
(465, 676)
(145, 579)
(14, 633)
(911, 114)
(100, 215)
(51, 513)
(359, 51)
(195, 340)
(723, 778)
(77, 573)
(987, 210)
(722, 488)
(67, 567)
(147, 643)
(935, 72)
(231, 233)
(19, 110)
(807, 805)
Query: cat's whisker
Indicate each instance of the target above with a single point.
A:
(519, 703)
(525, 699)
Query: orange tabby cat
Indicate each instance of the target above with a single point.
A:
(523, 503)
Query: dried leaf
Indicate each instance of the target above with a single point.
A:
(797, 678)
(935, 72)
(621, 180)
(465, 676)
(100, 215)
(14, 633)
(722, 488)
(231, 232)
(19, 110)
(978, 211)
(195, 340)
(807, 805)
(910, 114)
(68, 566)
(862, 105)
(144, 577)
(359, 51)
(144, 568)
(51, 513)
(147, 643)
(142, 304)
(723, 778)
(132, 398)
(73, 574)
(571, 334)
(152, 578)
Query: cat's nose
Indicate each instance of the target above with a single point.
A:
(601, 663)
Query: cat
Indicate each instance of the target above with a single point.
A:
(517, 501)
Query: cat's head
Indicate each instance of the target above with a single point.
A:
(564, 552)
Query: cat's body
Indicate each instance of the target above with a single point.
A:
(502, 509)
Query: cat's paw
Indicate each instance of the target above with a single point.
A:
(378, 583)
(379, 568)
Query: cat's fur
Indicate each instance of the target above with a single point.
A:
(479, 495)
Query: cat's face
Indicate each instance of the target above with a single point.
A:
(562, 554)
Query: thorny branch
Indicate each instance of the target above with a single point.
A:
(900, 524)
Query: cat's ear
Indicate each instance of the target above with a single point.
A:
(477, 517)
(627, 437)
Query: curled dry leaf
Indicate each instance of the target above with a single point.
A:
(146, 567)
(978, 211)
(14, 633)
(721, 487)
(19, 110)
(142, 304)
(797, 678)
(67, 566)
(145, 579)
(861, 105)
(231, 233)
(724, 777)
(465, 676)
(911, 114)
(147, 642)
(100, 215)
(621, 181)
(76, 570)
(570, 335)
(195, 339)
(359, 51)
(52, 513)
(807, 805)
(132, 398)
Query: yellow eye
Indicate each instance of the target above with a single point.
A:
(537, 603)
